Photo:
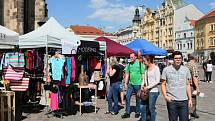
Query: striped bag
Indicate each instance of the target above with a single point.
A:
(13, 73)
(19, 85)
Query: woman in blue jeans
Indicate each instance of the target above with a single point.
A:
(152, 76)
(114, 88)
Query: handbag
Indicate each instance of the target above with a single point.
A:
(13, 73)
(144, 95)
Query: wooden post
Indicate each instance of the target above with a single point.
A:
(7, 106)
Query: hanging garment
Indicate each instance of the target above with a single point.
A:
(29, 60)
(19, 85)
(95, 64)
(13, 59)
(73, 68)
(69, 70)
(13, 73)
(57, 66)
(2, 61)
(54, 101)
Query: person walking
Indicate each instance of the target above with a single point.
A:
(176, 89)
(209, 69)
(134, 73)
(114, 88)
(194, 84)
(204, 66)
(122, 76)
(152, 74)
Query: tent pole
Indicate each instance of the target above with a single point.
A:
(47, 71)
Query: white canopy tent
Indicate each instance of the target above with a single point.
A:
(8, 38)
(50, 34)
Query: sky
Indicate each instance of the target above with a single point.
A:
(108, 15)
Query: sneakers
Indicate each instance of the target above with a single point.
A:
(125, 115)
(137, 115)
(194, 115)
(112, 113)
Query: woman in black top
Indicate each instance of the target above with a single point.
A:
(114, 88)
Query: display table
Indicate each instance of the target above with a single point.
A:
(7, 106)
(90, 86)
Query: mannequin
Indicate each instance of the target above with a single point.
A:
(83, 78)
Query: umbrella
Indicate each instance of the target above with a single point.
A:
(146, 47)
(114, 48)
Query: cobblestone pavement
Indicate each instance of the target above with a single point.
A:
(205, 109)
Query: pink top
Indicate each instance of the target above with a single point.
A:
(54, 101)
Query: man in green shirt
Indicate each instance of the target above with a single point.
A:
(134, 73)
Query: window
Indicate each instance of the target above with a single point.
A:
(178, 46)
(170, 19)
(198, 43)
(191, 45)
(214, 42)
(185, 35)
(202, 42)
(163, 22)
(212, 27)
(188, 45)
(170, 31)
(191, 34)
(211, 41)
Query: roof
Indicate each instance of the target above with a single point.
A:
(210, 14)
(192, 22)
(51, 34)
(88, 30)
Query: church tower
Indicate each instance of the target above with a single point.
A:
(22, 16)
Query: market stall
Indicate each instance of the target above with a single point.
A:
(8, 41)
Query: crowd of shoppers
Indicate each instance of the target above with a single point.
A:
(178, 82)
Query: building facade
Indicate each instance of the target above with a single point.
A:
(22, 16)
(158, 25)
(164, 25)
(185, 18)
(126, 35)
(205, 35)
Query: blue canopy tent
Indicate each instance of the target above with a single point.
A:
(146, 47)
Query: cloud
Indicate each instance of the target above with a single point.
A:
(112, 12)
(212, 5)
(98, 3)
(108, 27)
